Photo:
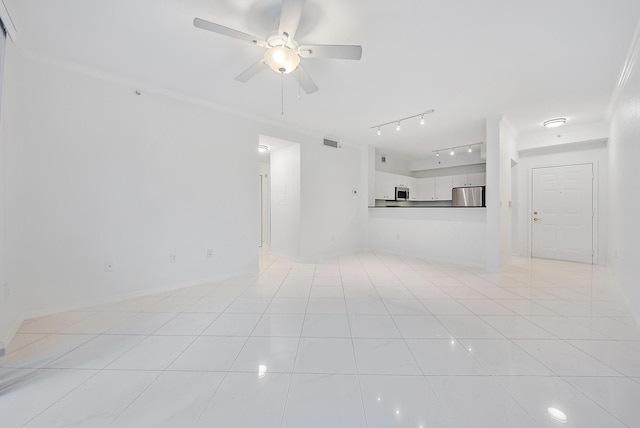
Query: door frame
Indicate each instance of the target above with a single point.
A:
(595, 194)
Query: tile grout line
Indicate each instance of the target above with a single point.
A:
(295, 358)
(415, 360)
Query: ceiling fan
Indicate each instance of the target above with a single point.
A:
(283, 53)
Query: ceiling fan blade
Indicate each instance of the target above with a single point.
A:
(290, 17)
(225, 31)
(305, 80)
(251, 71)
(331, 51)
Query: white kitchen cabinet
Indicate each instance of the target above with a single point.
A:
(476, 179)
(460, 180)
(385, 185)
(468, 180)
(426, 189)
(443, 186)
(401, 180)
(413, 189)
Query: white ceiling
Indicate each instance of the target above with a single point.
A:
(466, 59)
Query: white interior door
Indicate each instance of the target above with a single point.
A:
(562, 213)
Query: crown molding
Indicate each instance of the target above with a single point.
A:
(631, 62)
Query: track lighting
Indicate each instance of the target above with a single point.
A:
(262, 148)
(397, 121)
(452, 150)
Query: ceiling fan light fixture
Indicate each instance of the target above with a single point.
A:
(281, 59)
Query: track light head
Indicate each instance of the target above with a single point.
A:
(398, 126)
(422, 120)
(452, 152)
(379, 131)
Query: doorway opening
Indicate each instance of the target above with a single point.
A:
(279, 195)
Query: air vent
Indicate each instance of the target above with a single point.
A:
(383, 159)
(331, 143)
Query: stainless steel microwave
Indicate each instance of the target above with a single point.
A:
(402, 194)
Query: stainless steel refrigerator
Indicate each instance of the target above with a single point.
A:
(468, 197)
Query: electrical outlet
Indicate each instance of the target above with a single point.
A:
(209, 253)
(173, 258)
(108, 266)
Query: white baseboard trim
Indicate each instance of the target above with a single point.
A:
(125, 296)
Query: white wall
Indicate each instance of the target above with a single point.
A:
(456, 235)
(392, 164)
(96, 173)
(99, 174)
(624, 181)
(285, 201)
(332, 214)
(570, 154)
(10, 302)
(500, 152)
(264, 169)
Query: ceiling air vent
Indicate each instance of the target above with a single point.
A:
(331, 143)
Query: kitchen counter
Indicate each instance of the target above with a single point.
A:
(435, 206)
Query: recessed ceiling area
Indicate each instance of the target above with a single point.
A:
(468, 60)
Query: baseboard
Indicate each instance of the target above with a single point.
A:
(119, 297)
(10, 335)
(457, 262)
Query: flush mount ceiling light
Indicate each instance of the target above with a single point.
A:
(553, 123)
(262, 148)
(397, 121)
(452, 150)
(557, 414)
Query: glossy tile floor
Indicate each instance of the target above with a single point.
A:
(364, 340)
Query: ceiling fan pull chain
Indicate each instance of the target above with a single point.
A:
(299, 84)
(282, 94)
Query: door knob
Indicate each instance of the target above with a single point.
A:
(536, 219)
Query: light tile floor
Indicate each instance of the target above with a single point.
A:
(363, 340)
